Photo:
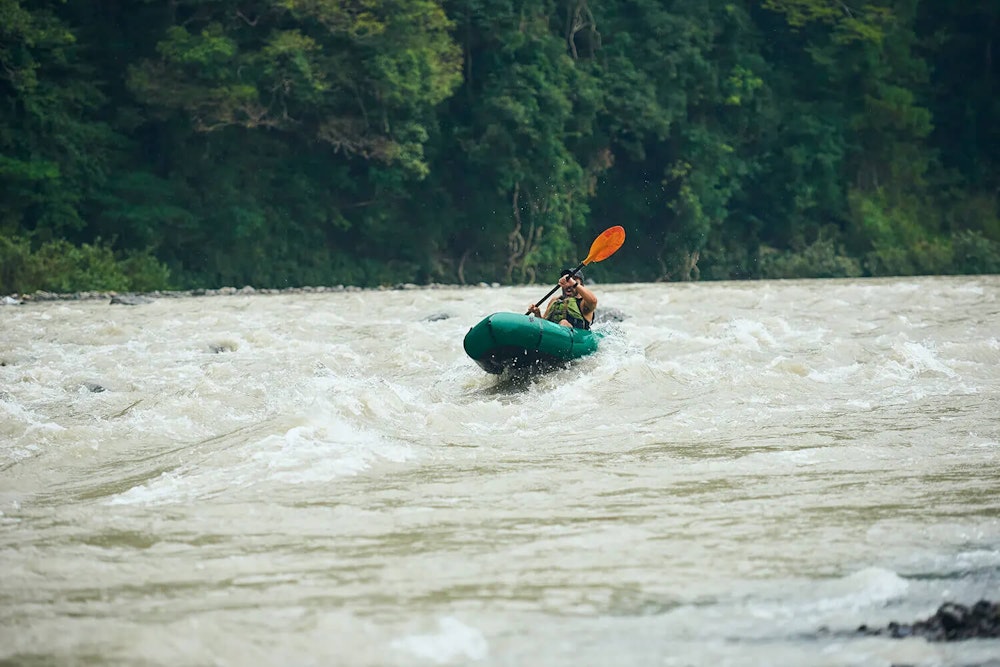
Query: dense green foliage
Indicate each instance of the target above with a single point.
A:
(277, 143)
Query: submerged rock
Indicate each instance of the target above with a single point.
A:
(609, 315)
(435, 317)
(129, 300)
(951, 622)
(222, 346)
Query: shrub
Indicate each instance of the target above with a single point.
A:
(16, 265)
(64, 267)
(974, 253)
(821, 259)
(60, 266)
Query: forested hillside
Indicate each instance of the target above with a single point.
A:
(147, 144)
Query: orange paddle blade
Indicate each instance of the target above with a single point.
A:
(606, 244)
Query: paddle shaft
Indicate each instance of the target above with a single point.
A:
(552, 291)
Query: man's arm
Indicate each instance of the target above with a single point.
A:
(589, 304)
(534, 310)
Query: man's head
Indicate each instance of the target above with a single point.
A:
(577, 277)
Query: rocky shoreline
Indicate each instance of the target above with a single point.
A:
(135, 298)
(604, 315)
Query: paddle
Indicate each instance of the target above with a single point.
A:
(603, 247)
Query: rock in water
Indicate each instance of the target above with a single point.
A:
(129, 300)
(609, 315)
(951, 622)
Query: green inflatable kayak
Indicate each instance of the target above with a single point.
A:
(505, 341)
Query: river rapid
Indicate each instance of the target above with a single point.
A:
(743, 474)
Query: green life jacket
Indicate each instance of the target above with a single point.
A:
(569, 310)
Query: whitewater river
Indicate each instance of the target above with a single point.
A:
(742, 475)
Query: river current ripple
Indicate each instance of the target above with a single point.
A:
(742, 475)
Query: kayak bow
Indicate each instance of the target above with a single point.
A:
(505, 341)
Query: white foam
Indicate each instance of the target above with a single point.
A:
(319, 451)
(23, 433)
(168, 487)
(919, 359)
(751, 334)
(759, 609)
(836, 375)
(861, 589)
(322, 452)
(453, 641)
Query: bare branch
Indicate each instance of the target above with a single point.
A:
(250, 23)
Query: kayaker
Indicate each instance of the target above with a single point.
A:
(575, 307)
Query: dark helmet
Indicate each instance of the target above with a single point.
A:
(578, 275)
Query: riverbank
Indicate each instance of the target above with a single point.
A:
(122, 297)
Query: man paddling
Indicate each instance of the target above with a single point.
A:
(576, 306)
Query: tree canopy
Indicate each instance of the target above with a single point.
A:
(276, 143)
